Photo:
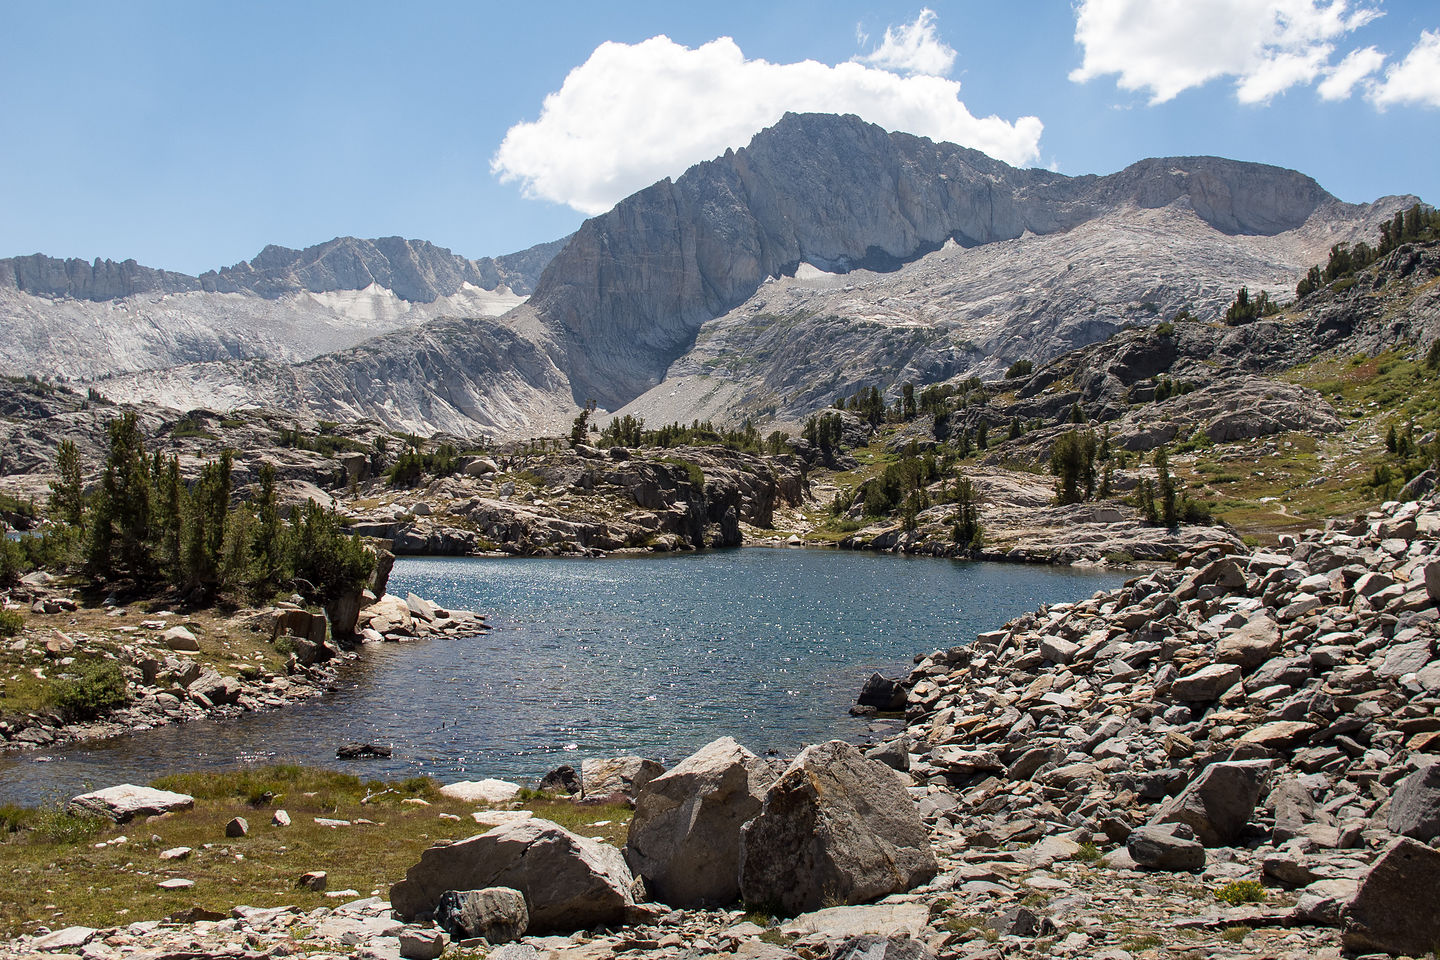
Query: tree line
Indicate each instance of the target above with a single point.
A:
(146, 528)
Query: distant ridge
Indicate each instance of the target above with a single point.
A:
(414, 270)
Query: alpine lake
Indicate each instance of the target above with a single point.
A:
(653, 655)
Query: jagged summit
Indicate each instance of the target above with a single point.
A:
(634, 285)
(414, 270)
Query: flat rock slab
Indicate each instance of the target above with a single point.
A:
(878, 919)
(126, 801)
(68, 939)
(481, 791)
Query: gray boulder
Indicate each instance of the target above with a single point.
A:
(1219, 804)
(568, 882)
(834, 828)
(1397, 908)
(121, 803)
(498, 914)
(617, 775)
(1170, 846)
(1415, 805)
(685, 836)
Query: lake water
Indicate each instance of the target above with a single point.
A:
(600, 657)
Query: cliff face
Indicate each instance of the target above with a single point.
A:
(634, 285)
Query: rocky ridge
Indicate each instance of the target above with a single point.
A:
(75, 320)
(720, 294)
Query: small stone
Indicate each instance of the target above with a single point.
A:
(315, 881)
(280, 818)
(175, 853)
(238, 827)
(422, 945)
(176, 883)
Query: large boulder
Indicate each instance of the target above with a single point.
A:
(685, 836)
(626, 776)
(121, 803)
(1219, 803)
(835, 828)
(568, 882)
(1397, 908)
(1205, 684)
(1415, 805)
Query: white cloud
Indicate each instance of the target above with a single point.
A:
(1357, 65)
(1169, 46)
(1414, 80)
(913, 48)
(635, 113)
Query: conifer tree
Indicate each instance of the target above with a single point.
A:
(67, 490)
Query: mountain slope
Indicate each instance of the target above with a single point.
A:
(78, 320)
(952, 263)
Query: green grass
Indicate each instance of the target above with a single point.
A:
(1235, 934)
(57, 876)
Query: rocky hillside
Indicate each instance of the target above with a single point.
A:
(74, 320)
(826, 254)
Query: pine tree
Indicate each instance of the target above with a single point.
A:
(120, 528)
(1169, 505)
(67, 490)
(982, 435)
(1015, 430)
(907, 401)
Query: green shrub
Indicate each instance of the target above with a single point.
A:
(11, 622)
(59, 825)
(98, 688)
(1237, 892)
(1088, 853)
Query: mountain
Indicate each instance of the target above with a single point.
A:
(80, 320)
(826, 255)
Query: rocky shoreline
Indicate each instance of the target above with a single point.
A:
(1237, 757)
(167, 681)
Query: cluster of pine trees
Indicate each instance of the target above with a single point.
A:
(1419, 224)
(630, 431)
(146, 528)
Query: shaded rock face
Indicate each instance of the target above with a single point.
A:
(1415, 805)
(1397, 908)
(1170, 846)
(1219, 804)
(498, 914)
(568, 882)
(834, 827)
(685, 836)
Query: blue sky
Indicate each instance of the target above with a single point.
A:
(187, 136)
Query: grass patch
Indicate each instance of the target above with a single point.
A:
(1088, 853)
(57, 876)
(1236, 934)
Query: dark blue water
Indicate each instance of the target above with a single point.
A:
(653, 655)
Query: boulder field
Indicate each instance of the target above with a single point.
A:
(1237, 757)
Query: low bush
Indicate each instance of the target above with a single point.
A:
(97, 688)
(11, 622)
(1237, 892)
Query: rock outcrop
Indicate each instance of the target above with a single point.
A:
(684, 839)
(835, 827)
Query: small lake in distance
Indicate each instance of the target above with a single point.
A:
(653, 655)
